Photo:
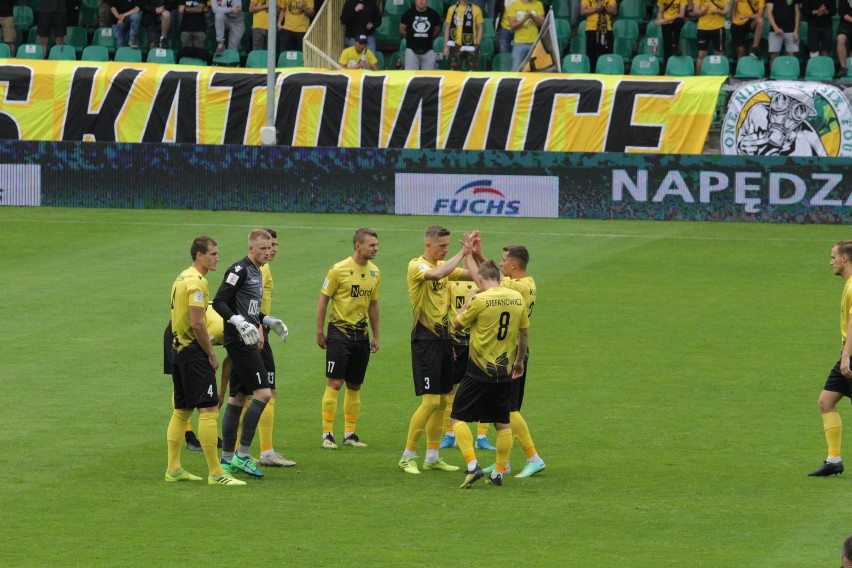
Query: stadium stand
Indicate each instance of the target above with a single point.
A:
(62, 53)
(128, 55)
(646, 65)
(785, 67)
(610, 64)
(95, 53)
(750, 68)
(680, 66)
(819, 68)
(576, 63)
(30, 51)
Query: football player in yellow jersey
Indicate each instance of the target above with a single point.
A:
(431, 352)
(352, 287)
(194, 366)
(837, 384)
(459, 291)
(498, 322)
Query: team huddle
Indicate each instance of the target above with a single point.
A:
(469, 351)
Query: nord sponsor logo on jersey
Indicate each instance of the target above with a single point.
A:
(493, 196)
(357, 292)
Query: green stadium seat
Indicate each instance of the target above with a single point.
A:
(380, 61)
(186, 60)
(631, 10)
(62, 53)
(387, 34)
(785, 67)
(576, 63)
(627, 29)
(819, 68)
(486, 53)
(680, 66)
(24, 20)
(5, 51)
(502, 62)
(647, 65)
(30, 51)
(750, 68)
(653, 30)
(397, 7)
(563, 32)
(396, 61)
(578, 43)
(128, 55)
(610, 64)
(104, 38)
(290, 59)
(95, 53)
(623, 47)
(488, 28)
(716, 65)
(32, 37)
(689, 39)
(228, 58)
(438, 47)
(77, 37)
(88, 14)
(651, 46)
(257, 59)
(160, 55)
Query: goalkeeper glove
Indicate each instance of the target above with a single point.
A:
(246, 330)
(277, 326)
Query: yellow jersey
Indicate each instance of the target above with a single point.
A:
(429, 300)
(746, 8)
(670, 8)
(458, 291)
(495, 318)
(352, 287)
(845, 310)
(528, 32)
(592, 19)
(189, 289)
(266, 297)
(526, 287)
(260, 20)
(711, 21)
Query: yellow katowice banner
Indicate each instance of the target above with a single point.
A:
(127, 102)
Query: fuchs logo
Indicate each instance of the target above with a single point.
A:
(477, 198)
(787, 118)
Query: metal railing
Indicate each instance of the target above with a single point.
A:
(324, 37)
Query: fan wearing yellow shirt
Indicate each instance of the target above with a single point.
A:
(293, 23)
(352, 288)
(711, 27)
(462, 34)
(260, 21)
(599, 16)
(498, 323)
(194, 367)
(671, 15)
(525, 19)
(747, 17)
(838, 385)
(431, 351)
(358, 56)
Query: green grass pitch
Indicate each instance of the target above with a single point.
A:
(672, 392)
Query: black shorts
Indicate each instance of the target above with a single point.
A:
(836, 382)
(845, 28)
(56, 21)
(739, 34)
(194, 379)
(432, 366)
(268, 358)
(518, 387)
(820, 38)
(460, 351)
(346, 359)
(716, 38)
(482, 401)
(248, 373)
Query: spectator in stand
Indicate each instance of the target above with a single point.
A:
(51, 19)
(293, 22)
(711, 28)
(419, 25)
(228, 17)
(505, 35)
(358, 56)
(193, 27)
(157, 20)
(844, 32)
(747, 17)
(599, 16)
(128, 18)
(361, 17)
(819, 15)
(462, 34)
(784, 17)
(525, 18)
(671, 15)
(7, 24)
(260, 22)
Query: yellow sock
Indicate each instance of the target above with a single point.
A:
(522, 433)
(174, 437)
(504, 448)
(482, 429)
(833, 432)
(429, 403)
(448, 425)
(188, 426)
(435, 425)
(351, 409)
(464, 439)
(265, 425)
(329, 408)
(208, 435)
